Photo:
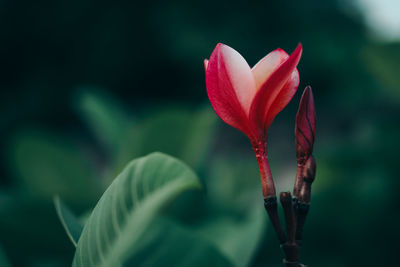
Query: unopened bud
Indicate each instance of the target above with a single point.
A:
(305, 126)
(309, 170)
(308, 178)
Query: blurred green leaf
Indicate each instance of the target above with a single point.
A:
(383, 61)
(3, 259)
(237, 239)
(127, 207)
(45, 165)
(104, 116)
(199, 134)
(73, 227)
(179, 132)
(233, 182)
(30, 225)
(167, 243)
(234, 192)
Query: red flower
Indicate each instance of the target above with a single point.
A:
(250, 98)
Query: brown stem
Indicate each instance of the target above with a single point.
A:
(303, 203)
(287, 204)
(291, 248)
(294, 215)
(291, 255)
(268, 188)
(302, 211)
(299, 180)
(271, 205)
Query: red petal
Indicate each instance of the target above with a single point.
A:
(230, 86)
(285, 95)
(305, 125)
(267, 65)
(272, 90)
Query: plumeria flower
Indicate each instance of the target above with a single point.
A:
(250, 98)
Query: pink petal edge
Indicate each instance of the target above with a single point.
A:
(267, 65)
(270, 91)
(205, 64)
(240, 76)
(225, 77)
(284, 97)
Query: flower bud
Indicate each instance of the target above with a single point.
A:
(305, 126)
(309, 170)
(308, 178)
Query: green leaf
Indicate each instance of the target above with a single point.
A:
(234, 195)
(73, 227)
(30, 225)
(3, 259)
(233, 182)
(230, 234)
(199, 134)
(383, 61)
(104, 117)
(178, 132)
(167, 243)
(128, 206)
(45, 165)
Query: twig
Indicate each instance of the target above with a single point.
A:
(271, 206)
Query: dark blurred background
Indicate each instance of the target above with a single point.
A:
(137, 67)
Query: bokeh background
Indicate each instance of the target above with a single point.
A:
(86, 86)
